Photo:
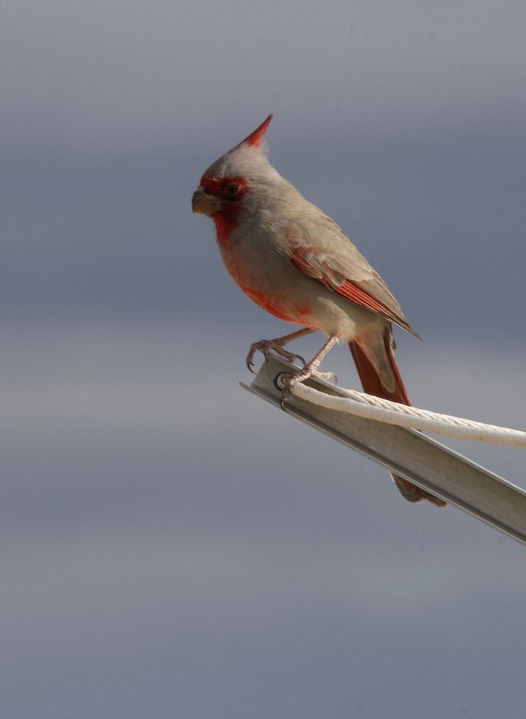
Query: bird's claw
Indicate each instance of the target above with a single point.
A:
(285, 381)
(265, 347)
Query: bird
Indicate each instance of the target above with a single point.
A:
(296, 263)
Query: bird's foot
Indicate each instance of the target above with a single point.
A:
(266, 346)
(287, 380)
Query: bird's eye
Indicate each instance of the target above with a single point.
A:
(232, 189)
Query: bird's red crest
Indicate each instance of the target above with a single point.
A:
(255, 138)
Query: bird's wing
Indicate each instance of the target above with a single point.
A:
(320, 249)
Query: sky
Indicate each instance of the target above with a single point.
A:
(170, 545)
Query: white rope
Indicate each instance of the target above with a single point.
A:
(370, 407)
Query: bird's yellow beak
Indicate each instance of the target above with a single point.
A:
(204, 203)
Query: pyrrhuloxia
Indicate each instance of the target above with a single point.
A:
(296, 263)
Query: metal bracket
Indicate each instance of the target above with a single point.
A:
(411, 454)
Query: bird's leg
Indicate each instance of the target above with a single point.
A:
(265, 346)
(310, 370)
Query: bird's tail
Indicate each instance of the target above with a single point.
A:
(379, 375)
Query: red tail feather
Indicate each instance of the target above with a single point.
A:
(369, 377)
(372, 384)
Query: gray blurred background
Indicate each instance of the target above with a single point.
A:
(169, 545)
